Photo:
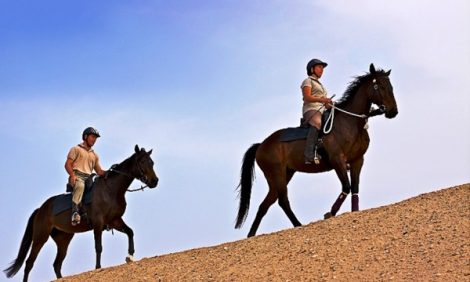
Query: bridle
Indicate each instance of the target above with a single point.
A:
(372, 112)
(382, 108)
(142, 177)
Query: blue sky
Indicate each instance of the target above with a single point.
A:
(199, 82)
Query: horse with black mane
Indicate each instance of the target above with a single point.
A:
(343, 149)
(105, 211)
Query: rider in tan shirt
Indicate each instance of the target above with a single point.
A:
(80, 163)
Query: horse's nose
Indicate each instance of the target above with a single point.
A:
(154, 183)
(391, 113)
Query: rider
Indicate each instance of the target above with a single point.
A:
(315, 101)
(81, 161)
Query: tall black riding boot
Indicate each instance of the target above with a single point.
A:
(309, 153)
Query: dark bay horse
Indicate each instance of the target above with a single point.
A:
(106, 210)
(345, 147)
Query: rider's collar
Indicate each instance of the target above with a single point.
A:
(314, 77)
(85, 147)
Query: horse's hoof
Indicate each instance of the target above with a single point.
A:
(129, 259)
(328, 215)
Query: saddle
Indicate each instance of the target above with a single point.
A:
(63, 202)
(300, 133)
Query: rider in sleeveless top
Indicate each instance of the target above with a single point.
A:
(315, 102)
(80, 163)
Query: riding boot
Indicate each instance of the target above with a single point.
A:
(309, 153)
(355, 202)
(75, 214)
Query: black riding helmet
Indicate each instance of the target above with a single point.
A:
(88, 131)
(314, 62)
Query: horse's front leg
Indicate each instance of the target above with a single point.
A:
(98, 232)
(121, 226)
(340, 166)
(355, 173)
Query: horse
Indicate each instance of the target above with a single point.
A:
(343, 149)
(105, 211)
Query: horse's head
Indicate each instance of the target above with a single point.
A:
(143, 167)
(380, 92)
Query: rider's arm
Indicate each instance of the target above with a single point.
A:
(98, 168)
(69, 169)
(308, 97)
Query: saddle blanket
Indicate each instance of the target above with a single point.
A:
(294, 133)
(300, 133)
(63, 202)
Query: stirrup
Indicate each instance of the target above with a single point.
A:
(317, 157)
(75, 218)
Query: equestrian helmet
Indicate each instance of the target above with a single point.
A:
(314, 62)
(88, 131)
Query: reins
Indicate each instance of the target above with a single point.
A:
(128, 175)
(331, 116)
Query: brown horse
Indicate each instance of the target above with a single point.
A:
(105, 211)
(344, 148)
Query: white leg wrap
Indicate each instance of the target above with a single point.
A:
(130, 259)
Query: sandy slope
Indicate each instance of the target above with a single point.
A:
(426, 238)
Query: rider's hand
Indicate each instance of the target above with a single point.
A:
(72, 180)
(327, 102)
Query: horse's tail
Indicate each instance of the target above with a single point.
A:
(246, 182)
(24, 248)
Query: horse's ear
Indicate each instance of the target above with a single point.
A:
(150, 152)
(372, 68)
(388, 73)
(136, 148)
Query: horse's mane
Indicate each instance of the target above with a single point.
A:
(121, 164)
(354, 85)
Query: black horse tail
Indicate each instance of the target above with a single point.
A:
(24, 248)
(246, 182)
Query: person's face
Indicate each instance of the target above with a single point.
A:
(318, 70)
(90, 140)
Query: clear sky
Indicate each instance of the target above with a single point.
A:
(199, 82)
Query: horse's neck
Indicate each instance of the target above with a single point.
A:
(119, 184)
(120, 181)
(360, 105)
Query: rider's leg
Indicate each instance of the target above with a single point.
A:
(314, 119)
(77, 195)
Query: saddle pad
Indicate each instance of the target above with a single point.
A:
(63, 202)
(294, 133)
(300, 133)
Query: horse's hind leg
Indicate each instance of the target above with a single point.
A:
(39, 239)
(277, 190)
(62, 241)
(262, 210)
(284, 201)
